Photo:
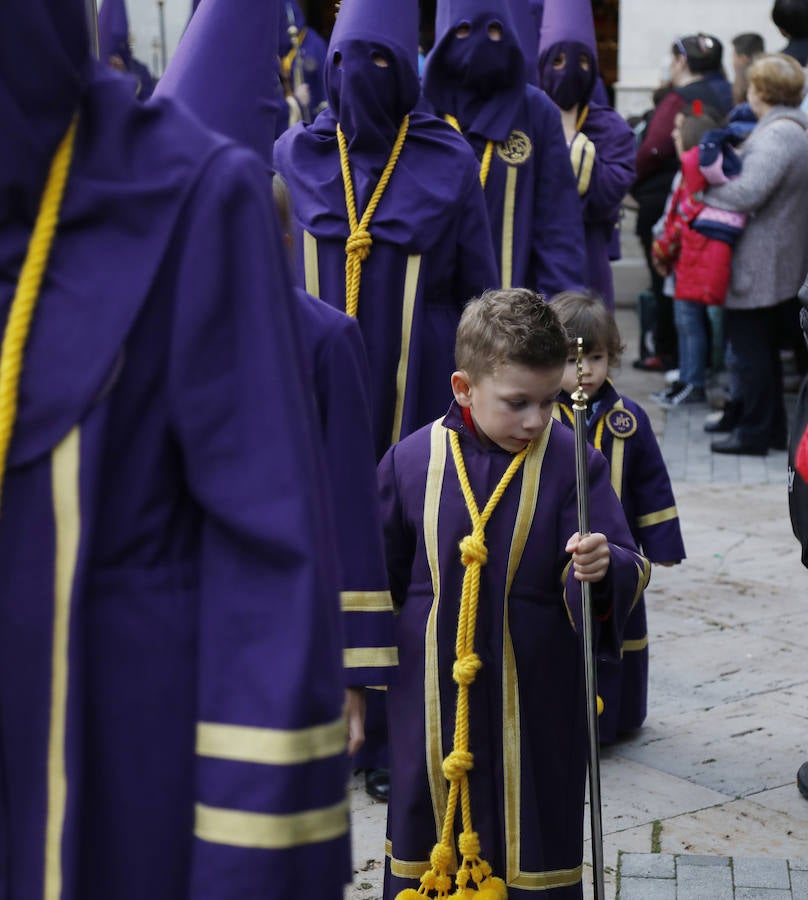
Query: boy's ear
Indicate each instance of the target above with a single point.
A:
(461, 388)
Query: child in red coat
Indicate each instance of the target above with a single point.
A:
(700, 262)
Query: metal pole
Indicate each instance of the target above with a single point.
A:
(91, 11)
(579, 399)
(163, 48)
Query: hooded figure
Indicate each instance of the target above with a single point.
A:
(391, 225)
(301, 52)
(235, 38)
(114, 49)
(171, 641)
(601, 144)
(475, 77)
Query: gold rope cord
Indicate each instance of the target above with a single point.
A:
(357, 247)
(26, 295)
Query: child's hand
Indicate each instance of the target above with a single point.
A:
(590, 556)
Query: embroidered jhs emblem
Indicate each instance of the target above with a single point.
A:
(621, 423)
(516, 150)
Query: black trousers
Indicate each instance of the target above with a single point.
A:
(755, 338)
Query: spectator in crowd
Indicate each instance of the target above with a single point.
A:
(771, 255)
(791, 17)
(745, 47)
(696, 74)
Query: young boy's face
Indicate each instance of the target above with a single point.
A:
(511, 406)
(595, 372)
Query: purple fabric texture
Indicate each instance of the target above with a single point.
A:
(531, 622)
(612, 175)
(205, 581)
(236, 40)
(526, 22)
(646, 490)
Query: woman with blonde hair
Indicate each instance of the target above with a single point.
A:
(771, 255)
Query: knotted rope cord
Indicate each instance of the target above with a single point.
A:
(21, 313)
(457, 765)
(357, 247)
(485, 162)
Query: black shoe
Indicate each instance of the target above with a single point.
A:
(802, 779)
(729, 419)
(377, 784)
(733, 444)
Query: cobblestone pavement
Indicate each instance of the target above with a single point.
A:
(701, 803)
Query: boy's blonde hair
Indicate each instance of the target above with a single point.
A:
(778, 79)
(584, 314)
(512, 325)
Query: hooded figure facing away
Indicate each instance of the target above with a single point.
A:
(390, 215)
(475, 77)
(171, 680)
(601, 143)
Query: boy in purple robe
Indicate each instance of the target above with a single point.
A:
(601, 143)
(621, 430)
(475, 78)
(171, 649)
(494, 655)
(391, 221)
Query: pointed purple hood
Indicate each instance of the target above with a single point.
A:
(568, 26)
(524, 17)
(225, 71)
(478, 80)
(369, 100)
(113, 31)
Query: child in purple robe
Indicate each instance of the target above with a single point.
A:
(620, 429)
(489, 635)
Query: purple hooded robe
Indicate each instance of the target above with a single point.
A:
(113, 40)
(621, 430)
(170, 636)
(603, 150)
(533, 208)
(305, 62)
(430, 251)
(527, 708)
(236, 39)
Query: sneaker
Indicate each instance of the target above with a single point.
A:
(667, 392)
(802, 779)
(687, 395)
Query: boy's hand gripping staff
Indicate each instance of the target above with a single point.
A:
(579, 399)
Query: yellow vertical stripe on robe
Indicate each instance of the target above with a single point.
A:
(407, 312)
(432, 724)
(311, 266)
(67, 525)
(508, 213)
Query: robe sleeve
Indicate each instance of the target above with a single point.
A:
(557, 229)
(475, 262)
(271, 816)
(612, 169)
(342, 377)
(628, 574)
(399, 538)
(657, 519)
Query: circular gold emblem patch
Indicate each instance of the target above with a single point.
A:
(516, 150)
(621, 423)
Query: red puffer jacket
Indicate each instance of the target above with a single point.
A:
(702, 264)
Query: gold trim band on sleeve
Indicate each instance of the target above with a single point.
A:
(366, 601)
(635, 646)
(262, 831)
(544, 881)
(655, 518)
(402, 868)
(270, 746)
(369, 657)
(407, 315)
